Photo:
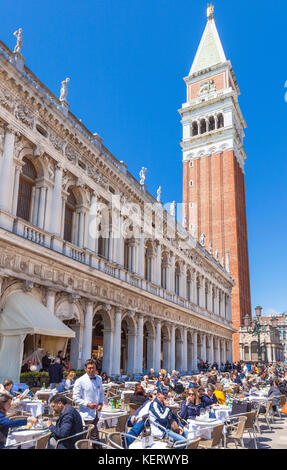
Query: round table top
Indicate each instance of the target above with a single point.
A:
(155, 445)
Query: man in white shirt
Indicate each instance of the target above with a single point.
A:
(88, 393)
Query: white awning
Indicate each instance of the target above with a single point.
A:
(23, 314)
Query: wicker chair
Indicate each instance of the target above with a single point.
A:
(215, 441)
(120, 427)
(265, 414)
(89, 444)
(43, 441)
(118, 440)
(235, 430)
(194, 443)
(133, 407)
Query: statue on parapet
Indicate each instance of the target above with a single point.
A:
(158, 194)
(142, 176)
(64, 89)
(19, 35)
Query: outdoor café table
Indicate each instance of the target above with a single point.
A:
(22, 435)
(48, 392)
(260, 398)
(201, 427)
(35, 407)
(109, 417)
(130, 385)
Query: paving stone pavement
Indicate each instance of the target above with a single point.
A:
(276, 438)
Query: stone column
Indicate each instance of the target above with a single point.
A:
(209, 297)
(107, 350)
(202, 292)
(117, 342)
(50, 300)
(172, 348)
(166, 353)
(158, 265)
(140, 344)
(88, 333)
(171, 273)
(157, 346)
(184, 355)
(42, 206)
(203, 349)
(194, 287)
(131, 356)
(92, 225)
(229, 351)
(7, 170)
(16, 189)
(182, 282)
(56, 206)
(80, 237)
(141, 256)
(211, 349)
(195, 351)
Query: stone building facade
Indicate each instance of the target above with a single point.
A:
(83, 236)
(272, 349)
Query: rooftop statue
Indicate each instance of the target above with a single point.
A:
(18, 34)
(64, 89)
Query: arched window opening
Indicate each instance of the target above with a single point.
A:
(211, 123)
(202, 126)
(220, 121)
(194, 128)
(70, 210)
(26, 183)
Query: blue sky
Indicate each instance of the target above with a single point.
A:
(127, 59)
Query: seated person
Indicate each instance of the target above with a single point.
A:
(208, 398)
(152, 374)
(6, 423)
(137, 420)
(105, 378)
(68, 423)
(139, 397)
(70, 380)
(160, 381)
(159, 416)
(6, 387)
(145, 382)
(193, 383)
(191, 406)
(218, 392)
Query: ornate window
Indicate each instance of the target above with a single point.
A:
(202, 126)
(220, 121)
(194, 129)
(211, 123)
(70, 210)
(26, 184)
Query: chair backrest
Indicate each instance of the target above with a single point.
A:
(194, 443)
(89, 429)
(121, 423)
(83, 444)
(238, 432)
(268, 406)
(14, 418)
(251, 415)
(43, 441)
(115, 439)
(216, 435)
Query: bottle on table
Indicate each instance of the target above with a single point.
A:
(44, 386)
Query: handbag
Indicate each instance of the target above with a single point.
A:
(240, 407)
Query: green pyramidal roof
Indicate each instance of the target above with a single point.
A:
(210, 51)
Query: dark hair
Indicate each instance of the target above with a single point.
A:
(90, 361)
(59, 398)
(139, 390)
(200, 389)
(7, 382)
(4, 397)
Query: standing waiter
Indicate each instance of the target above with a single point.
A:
(88, 393)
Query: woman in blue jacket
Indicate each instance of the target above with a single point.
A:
(6, 423)
(191, 406)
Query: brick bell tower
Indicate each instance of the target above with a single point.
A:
(213, 167)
